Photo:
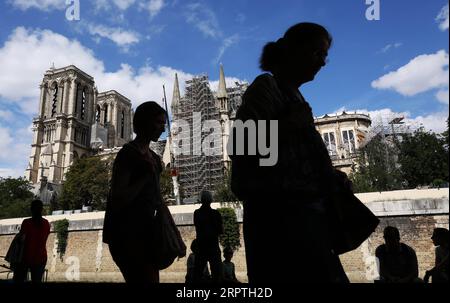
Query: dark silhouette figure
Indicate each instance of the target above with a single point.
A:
(287, 206)
(229, 274)
(208, 227)
(398, 261)
(34, 231)
(206, 277)
(440, 272)
(134, 198)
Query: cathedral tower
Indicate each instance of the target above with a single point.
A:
(62, 127)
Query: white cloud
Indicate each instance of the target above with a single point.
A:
(204, 19)
(229, 81)
(121, 37)
(15, 147)
(423, 73)
(442, 96)
(6, 115)
(153, 6)
(12, 172)
(226, 44)
(435, 122)
(22, 73)
(123, 4)
(442, 18)
(45, 5)
(390, 46)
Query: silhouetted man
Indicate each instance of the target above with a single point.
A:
(398, 261)
(208, 226)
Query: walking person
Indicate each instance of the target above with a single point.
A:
(135, 198)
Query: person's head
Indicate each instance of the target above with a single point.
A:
(36, 208)
(391, 236)
(228, 254)
(299, 54)
(206, 197)
(149, 120)
(440, 236)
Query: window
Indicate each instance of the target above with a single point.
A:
(105, 117)
(97, 114)
(349, 141)
(330, 142)
(122, 125)
(54, 99)
(83, 104)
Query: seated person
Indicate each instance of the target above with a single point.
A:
(191, 265)
(229, 275)
(440, 271)
(398, 261)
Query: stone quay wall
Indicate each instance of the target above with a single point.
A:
(87, 259)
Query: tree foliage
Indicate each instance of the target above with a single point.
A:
(376, 167)
(86, 184)
(222, 192)
(423, 159)
(15, 198)
(417, 159)
(231, 235)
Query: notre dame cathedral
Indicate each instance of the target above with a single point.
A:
(74, 121)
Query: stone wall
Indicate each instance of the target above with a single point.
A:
(416, 216)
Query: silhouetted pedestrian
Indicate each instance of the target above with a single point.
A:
(440, 272)
(208, 227)
(287, 206)
(34, 231)
(134, 199)
(190, 264)
(398, 261)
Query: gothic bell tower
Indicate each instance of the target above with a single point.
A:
(61, 131)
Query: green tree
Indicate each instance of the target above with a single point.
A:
(15, 198)
(377, 167)
(87, 183)
(222, 192)
(166, 184)
(423, 158)
(231, 235)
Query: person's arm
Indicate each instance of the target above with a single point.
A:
(384, 269)
(438, 267)
(413, 268)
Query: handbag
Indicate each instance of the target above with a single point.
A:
(167, 238)
(15, 252)
(352, 222)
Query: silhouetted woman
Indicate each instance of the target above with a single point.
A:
(286, 206)
(134, 199)
(35, 231)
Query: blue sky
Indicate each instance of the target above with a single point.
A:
(397, 65)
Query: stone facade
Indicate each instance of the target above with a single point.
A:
(415, 213)
(343, 135)
(74, 120)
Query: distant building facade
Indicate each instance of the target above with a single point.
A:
(74, 121)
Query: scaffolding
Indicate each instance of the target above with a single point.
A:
(198, 171)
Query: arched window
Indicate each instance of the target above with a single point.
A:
(54, 98)
(105, 110)
(122, 125)
(83, 103)
(76, 100)
(97, 114)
